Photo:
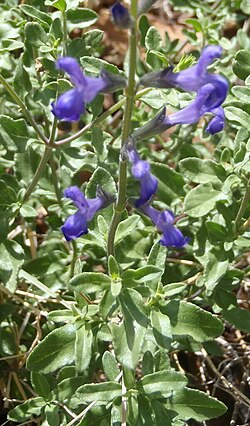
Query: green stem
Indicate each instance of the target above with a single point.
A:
(65, 33)
(243, 206)
(52, 164)
(130, 95)
(74, 258)
(44, 160)
(25, 110)
(99, 119)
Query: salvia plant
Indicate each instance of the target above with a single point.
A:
(124, 227)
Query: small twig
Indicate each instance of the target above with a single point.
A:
(236, 393)
(19, 385)
(193, 279)
(184, 262)
(73, 415)
(23, 302)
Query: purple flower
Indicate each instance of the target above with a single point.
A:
(76, 225)
(172, 237)
(190, 79)
(194, 79)
(121, 16)
(141, 171)
(71, 104)
(206, 101)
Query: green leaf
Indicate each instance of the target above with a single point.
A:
(52, 415)
(11, 260)
(57, 4)
(35, 13)
(66, 390)
(161, 329)
(40, 384)
(35, 34)
(28, 211)
(83, 347)
(102, 178)
(189, 319)
(108, 304)
(99, 392)
(157, 257)
(14, 132)
(113, 267)
(245, 6)
(81, 18)
(193, 404)
(242, 93)
(144, 275)
(93, 65)
(90, 282)
(126, 227)
(202, 199)
(241, 66)
(21, 82)
(153, 39)
(202, 171)
(27, 409)
(7, 194)
(132, 303)
(7, 45)
(195, 24)
(215, 267)
(128, 354)
(162, 384)
(61, 315)
(238, 317)
(171, 183)
(238, 115)
(110, 366)
(56, 350)
(173, 289)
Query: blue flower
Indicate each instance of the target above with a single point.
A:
(172, 237)
(194, 79)
(141, 171)
(121, 16)
(206, 101)
(71, 104)
(76, 225)
(190, 79)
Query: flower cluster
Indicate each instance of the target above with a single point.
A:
(211, 92)
(71, 104)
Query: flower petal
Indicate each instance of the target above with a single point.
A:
(141, 171)
(121, 15)
(173, 237)
(75, 226)
(71, 66)
(69, 106)
(192, 113)
(77, 196)
(218, 122)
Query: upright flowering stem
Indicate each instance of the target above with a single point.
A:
(130, 93)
